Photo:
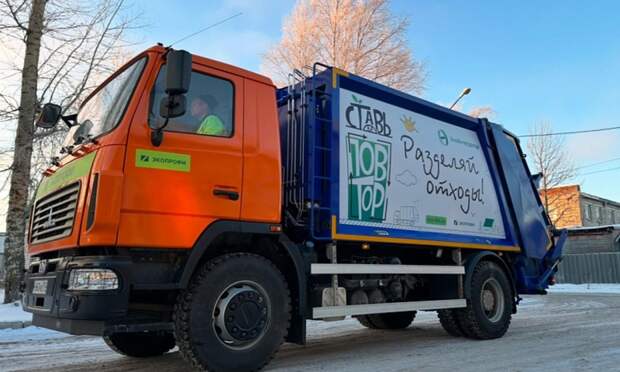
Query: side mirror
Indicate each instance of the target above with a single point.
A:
(50, 114)
(178, 77)
(178, 72)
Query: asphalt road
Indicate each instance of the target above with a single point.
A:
(567, 332)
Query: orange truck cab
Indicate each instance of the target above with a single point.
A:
(197, 205)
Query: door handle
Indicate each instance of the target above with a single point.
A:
(232, 195)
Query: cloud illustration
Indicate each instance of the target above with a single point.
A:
(406, 178)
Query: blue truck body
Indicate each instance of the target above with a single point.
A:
(310, 112)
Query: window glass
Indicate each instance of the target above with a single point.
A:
(103, 111)
(588, 211)
(210, 106)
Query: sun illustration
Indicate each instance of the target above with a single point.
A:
(409, 124)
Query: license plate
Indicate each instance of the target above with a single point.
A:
(40, 287)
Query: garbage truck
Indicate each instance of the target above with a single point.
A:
(195, 204)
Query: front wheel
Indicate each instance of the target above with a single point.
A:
(140, 344)
(489, 308)
(235, 314)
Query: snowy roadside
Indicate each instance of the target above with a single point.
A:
(15, 325)
(12, 315)
(585, 288)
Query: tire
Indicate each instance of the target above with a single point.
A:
(450, 323)
(142, 344)
(234, 315)
(489, 310)
(387, 321)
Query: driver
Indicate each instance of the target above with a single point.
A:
(201, 109)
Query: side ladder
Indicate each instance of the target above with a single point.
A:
(320, 127)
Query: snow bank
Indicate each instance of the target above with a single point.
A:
(31, 333)
(585, 288)
(12, 312)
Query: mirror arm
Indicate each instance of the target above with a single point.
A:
(69, 120)
(157, 135)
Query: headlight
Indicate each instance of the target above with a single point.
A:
(92, 279)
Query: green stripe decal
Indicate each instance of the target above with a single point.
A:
(436, 220)
(66, 175)
(163, 160)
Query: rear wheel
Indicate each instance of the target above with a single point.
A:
(387, 321)
(489, 308)
(235, 314)
(449, 322)
(142, 344)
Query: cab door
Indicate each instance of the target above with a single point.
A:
(174, 191)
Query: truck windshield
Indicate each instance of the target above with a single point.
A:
(104, 110)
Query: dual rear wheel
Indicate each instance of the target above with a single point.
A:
(489, 308)
(487, 315)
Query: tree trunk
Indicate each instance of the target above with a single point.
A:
(16, 219)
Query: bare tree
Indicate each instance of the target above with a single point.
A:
(482, 112)
(69, 46)
(18, 195)
(359, 36)
(549, 157)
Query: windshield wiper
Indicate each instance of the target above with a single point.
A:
(85, 140)
(82, 133)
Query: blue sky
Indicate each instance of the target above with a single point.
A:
(531, 61)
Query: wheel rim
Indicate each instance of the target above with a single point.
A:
(492, 300)
(241, 315)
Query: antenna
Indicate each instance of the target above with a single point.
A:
(205, 29)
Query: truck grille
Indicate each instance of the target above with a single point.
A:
(54, 214)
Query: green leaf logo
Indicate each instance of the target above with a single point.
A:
(355, 99)
(443, 137)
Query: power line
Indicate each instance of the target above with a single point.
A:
(600, 171)
(598, 163)
(206, 28)
(572, 132)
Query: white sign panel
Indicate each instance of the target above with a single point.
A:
(402, 170)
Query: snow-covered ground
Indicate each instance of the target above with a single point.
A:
(12, 312)
(561, 331)
(585, 288)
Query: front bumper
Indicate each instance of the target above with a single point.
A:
(96, 312)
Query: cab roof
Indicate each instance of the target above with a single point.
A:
(219, 65)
